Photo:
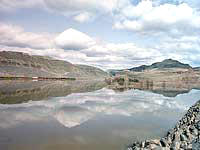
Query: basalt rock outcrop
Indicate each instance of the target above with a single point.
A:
(184, 136)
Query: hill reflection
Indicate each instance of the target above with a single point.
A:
(167, 89)
(14, 92)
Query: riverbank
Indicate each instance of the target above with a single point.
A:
(185, 135)
(35, 78)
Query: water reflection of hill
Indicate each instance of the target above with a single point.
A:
(168, 89)
(13, 92)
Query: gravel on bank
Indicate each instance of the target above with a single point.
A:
(184, 136)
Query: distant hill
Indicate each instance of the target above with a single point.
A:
(167, 63)
(196, 68)
(22, 64)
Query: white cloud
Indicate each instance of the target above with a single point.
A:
(192, 3)
(83, 17)
(122, 55)
(8, 6)
(17, 37)
(77, 47)
(172, 29)
(168, 18)
(185, 49)
(73, 6)
(74, 40)
(84, 10)
(69, 8)
(70, 39)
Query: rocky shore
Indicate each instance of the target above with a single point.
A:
(184, 136)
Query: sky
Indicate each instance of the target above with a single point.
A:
(110, 34)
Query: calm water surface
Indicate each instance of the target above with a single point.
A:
(83, 116)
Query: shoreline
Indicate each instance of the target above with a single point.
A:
(185, 134)
(35, 78)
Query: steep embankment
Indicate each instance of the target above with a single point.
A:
(184, 136)
(22, 64)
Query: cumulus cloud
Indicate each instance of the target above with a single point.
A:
(171, 29)
(168, 18)
(13, 5)
(143, 16)
(74, 40)
(69, 8)
(122, 55)
(83, 17)
(185, 49)
(70, 39)
(15, 36)
(191, 3)
(77, 47)
(74, 6)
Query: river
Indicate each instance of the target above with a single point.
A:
(76, 115)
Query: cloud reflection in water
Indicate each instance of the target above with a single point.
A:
(75, 109)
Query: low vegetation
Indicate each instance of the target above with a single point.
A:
(17, 64)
